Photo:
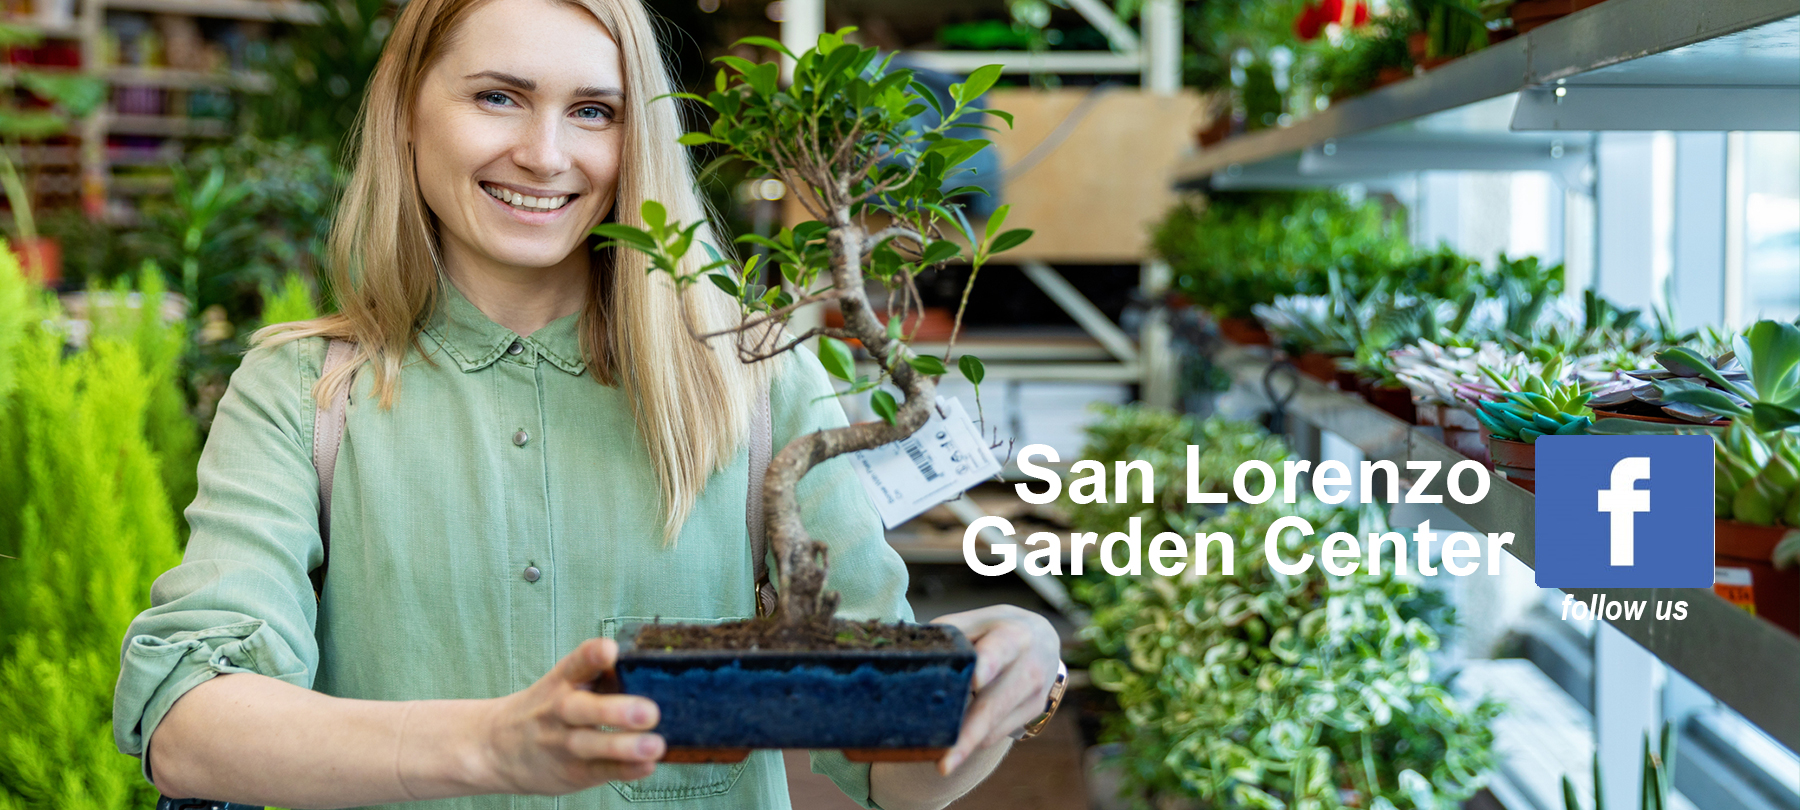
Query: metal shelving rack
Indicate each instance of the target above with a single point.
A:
(1530, 102)
(1746, 662)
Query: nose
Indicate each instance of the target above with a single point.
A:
(540, 149)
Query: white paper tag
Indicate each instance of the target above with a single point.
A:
(941, 461)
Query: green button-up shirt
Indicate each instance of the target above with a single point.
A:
(493, 461)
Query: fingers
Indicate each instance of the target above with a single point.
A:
(594, 656)
(579, 708)
(593, 744)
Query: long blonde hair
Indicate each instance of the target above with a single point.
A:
(691, 401)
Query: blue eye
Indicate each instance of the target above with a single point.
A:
(495, 97)
(598, 112)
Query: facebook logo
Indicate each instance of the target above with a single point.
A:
(1624, 512)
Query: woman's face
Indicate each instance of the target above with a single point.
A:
(517, 133)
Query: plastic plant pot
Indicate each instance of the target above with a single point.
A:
(1746, 575)
(877, 705)
(1515, 460)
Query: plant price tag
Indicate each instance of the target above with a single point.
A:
(941, 461)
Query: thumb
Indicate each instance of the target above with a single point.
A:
(587, 662)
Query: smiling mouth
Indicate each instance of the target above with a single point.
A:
(525, 203)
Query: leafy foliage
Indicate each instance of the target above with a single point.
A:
(86, 523)
(1261, 690)
(844, 133)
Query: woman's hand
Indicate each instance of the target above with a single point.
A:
(545, 741)
(1016, 652)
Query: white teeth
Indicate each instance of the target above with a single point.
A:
(522, 201)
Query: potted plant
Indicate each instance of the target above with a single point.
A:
(1757, 508)
(60, 97)
(843, 132)
(1518, 418)
(1758, 382)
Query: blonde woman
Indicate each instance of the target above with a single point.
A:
(535, 452)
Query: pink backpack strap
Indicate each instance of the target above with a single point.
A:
(328, 436)
(760, 447)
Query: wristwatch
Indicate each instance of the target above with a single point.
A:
(1037, 724)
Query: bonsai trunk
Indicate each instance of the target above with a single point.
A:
(801, 561)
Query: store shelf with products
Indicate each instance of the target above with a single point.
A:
(1746, 662)
(1619, 65)
(259, 10)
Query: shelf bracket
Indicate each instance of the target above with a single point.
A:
(1082, 310)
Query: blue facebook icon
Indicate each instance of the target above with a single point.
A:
(1624, 512)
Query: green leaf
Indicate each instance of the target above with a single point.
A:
(972, 369)
(882, 403)
(1770, 416)
(939, 251)
(724, 282)
(834, 355)
(633, 237)
(696, 139)
(994, 222)
(654, 214)
(1715, 401)
(1002, 115)
(893, 328)
(978, 83)
(1009, 240)
(765, 42)
(927, 365)
(1770, 352)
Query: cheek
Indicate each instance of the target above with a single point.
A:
(600, 162)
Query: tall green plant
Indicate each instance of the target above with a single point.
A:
(85, 526)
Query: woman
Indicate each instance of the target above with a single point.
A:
(535, 452)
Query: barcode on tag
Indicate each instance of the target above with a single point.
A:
(937, 463)
(916, 452)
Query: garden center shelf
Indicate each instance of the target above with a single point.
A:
(1529, 102)
(1744, 661)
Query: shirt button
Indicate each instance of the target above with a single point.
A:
(515, 348)
(532, 573)
(521, 438)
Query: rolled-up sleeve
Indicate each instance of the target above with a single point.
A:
(240, 601)
(867, 573)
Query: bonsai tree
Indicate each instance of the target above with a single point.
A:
(843, 135)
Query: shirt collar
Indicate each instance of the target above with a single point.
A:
(475, 341)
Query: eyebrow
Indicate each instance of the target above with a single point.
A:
(530, 86)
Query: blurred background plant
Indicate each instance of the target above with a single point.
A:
(54, 99)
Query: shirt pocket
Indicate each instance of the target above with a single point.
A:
(674, 782)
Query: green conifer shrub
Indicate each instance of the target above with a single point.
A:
(86, 524)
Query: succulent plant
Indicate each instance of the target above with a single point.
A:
(1757, 477)
(1758, 382)
(1536, 405)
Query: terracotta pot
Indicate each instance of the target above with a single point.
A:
(1395, 399)
(41, 259)
(1345, 379)
(1462, 433)
(1317, 365)
(1416, 43)
(1745, 572)
(1517, 461)
(934, 324)
(1217, 131)
(1244, 331)
(1389, 74)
